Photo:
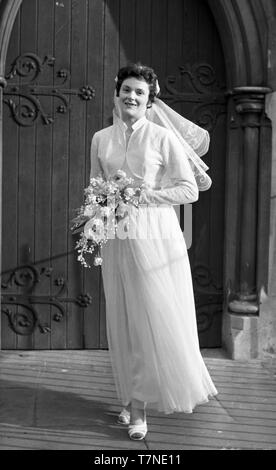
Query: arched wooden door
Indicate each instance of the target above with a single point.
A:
(62, 60)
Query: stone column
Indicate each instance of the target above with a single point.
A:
(247, 220)
(250, 105)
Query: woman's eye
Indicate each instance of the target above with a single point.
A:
(128, 90)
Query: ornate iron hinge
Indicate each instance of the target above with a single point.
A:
(199, 85)
(24, 318)
(28, 108)
(208, 297)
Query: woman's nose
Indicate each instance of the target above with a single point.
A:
(132, 94)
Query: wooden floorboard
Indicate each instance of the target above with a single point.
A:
(67, 400)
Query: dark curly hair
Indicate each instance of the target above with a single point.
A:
(140, 72)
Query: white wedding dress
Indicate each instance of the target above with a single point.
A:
(151, 321)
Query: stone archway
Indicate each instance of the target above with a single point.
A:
(8, 12)
(248, 170)
(241, 26)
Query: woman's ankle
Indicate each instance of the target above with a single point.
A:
(137, 404)
(138, 412)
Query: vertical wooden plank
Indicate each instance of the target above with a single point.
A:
(175, 47)
(111, 56)
(76, 176)
(26, 188)
(60, 220)
(159, 31)
(174, 37)
(217, 167)
(215, 248)
(190, 31)
(93, 315)
(214, 160)
(143, 31)
(10, 188)
(174, 58)
(205, 245)
(44, 171)
(218, 59)
(210, 48)
(191, 53)
(190, 34)
(127, 32)
(95, 67)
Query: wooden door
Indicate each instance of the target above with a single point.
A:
(62, 61)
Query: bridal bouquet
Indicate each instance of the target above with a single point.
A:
(105, 204)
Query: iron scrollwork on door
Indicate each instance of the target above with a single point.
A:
(197, 84)
(21, 308)
(208, 297)
(23, 99)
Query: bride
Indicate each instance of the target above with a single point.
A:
(151, 321)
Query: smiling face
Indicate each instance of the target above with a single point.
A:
(133, 99)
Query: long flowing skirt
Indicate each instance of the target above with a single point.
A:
(151, 321)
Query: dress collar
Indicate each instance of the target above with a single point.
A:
(123, 126)
(139, 123)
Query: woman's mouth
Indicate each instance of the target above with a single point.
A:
(130, 104)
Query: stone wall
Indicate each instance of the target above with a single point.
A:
(267, 319)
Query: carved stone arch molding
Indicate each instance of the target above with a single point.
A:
(8, 13)
(242, 25)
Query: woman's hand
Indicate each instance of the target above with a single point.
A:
(132, 195)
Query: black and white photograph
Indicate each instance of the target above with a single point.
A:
(138, 228)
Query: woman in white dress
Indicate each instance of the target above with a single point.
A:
(151, 321)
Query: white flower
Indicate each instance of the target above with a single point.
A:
(98, 261)
(120, 174)
(105, 211)
(95, 181)
(130, 192)
(110, 188)
(91, 199)
(94, 230)
(89, 211)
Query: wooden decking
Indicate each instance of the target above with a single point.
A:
(66, 400)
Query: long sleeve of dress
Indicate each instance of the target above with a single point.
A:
(182, 187)
(95, 164)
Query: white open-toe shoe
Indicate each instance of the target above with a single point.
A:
(137, 432)
(124, 417)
